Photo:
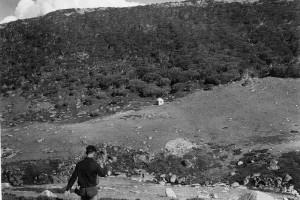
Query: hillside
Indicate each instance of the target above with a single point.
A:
(228, 73)
(254, 124)
(92, 62)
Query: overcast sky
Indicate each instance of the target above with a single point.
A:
(30, 8)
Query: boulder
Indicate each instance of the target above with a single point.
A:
(170, 193)
(256, 195)
(47, 195)
(287, 178)
(178, 147)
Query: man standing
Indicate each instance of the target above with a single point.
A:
(86, 171)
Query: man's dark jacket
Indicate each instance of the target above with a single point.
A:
(86, 171)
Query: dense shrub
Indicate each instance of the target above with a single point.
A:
(163, 82)
(120, 92)
(152, 77)
(151, 90)
(146, 50)
(136, 85)
(178, 87)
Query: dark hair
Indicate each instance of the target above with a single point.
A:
(90, 149)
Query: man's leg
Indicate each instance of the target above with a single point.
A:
(94, 198)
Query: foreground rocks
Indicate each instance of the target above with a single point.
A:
(124, 188)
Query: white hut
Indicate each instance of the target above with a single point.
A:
(160, 101)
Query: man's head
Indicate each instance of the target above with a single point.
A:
(91, 150)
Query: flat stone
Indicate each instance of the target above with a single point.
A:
(170, 193)
(256, 195)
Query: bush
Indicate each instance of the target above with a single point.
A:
(178, 87)
(151, 90)
(163, 82)
(293, 71)
(61, 104)
(213, 79)
(283, 71)
(88, 101)
(136, 85)
(103, 82)
(120, 92)
(152, 77)
(101, 95)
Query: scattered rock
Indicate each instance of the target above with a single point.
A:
(214, 196)
(114, 159)
(141, 158)
(170, 193)
(287, 178)
(181, 180)
(235, 184)
(240, 163)
(162, 183)
(256, 174)
(232, 173)
(273, 165)
(256, 196)
(138, 178)
(147, 177)
(81, 113)
(5, 185)
(187, 163)
(40, 140)
(48, 150)
(173, 178)
(246, 180)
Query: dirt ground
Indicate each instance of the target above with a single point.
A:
(261, 115)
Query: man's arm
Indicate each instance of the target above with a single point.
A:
(72, 179)
(101, 171)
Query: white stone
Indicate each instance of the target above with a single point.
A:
(173, 178)
(240, 163)
(170, 193)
